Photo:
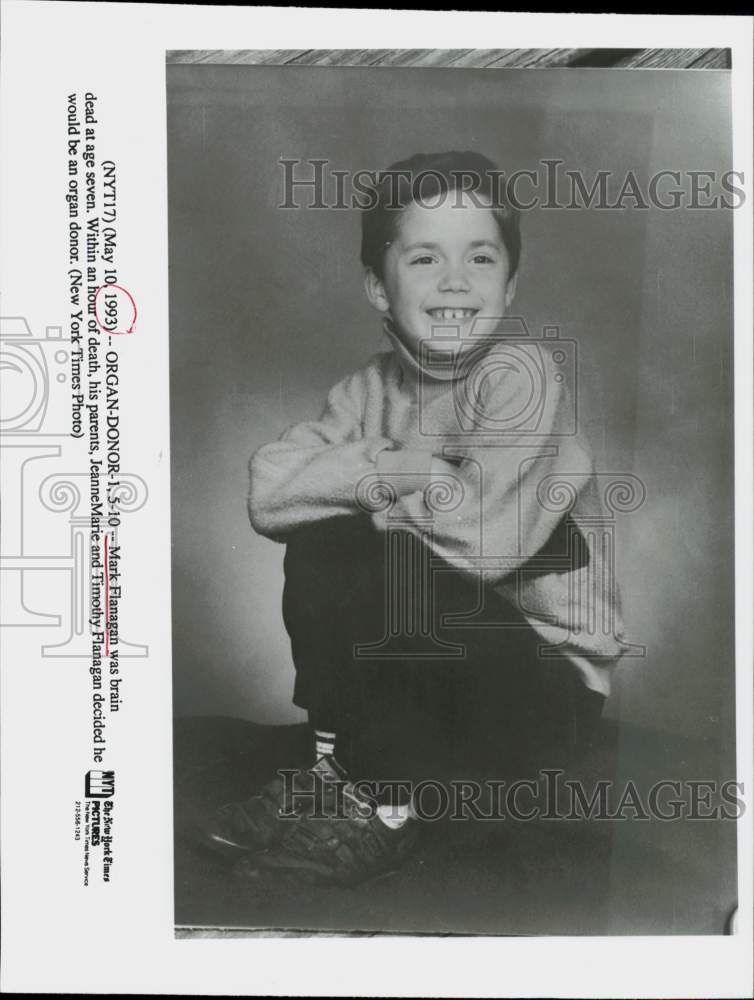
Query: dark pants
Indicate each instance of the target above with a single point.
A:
(406, 711)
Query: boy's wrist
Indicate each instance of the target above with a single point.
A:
(376, 446)
(406, 470)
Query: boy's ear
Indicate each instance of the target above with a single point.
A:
(376, 291)
(510, 290)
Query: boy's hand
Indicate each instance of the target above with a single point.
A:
(409, 470)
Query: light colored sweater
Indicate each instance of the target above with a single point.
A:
(507, 425)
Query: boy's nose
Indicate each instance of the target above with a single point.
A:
(454, 279)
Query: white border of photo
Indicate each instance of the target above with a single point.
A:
(59, 937)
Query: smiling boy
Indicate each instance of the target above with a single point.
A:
(430, 573)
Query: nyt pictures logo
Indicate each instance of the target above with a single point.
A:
(99, 784)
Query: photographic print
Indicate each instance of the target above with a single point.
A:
(452, 492)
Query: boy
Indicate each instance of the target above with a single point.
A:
(431, 563)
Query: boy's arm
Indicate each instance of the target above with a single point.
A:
(311, 472)
(488, 504)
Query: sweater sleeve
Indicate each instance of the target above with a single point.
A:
(490, 505)
(312, 471)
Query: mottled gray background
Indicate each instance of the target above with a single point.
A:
(267, 312)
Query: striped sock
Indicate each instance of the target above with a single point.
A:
(324, 743)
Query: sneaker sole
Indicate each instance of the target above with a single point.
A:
(227, 848)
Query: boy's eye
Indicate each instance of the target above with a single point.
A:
(482, 258)
(425, 258)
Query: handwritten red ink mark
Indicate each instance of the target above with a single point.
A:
(117, 300)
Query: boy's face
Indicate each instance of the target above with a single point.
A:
(447, 270)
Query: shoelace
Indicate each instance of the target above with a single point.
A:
(362, 808)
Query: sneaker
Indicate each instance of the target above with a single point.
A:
(345, 849)
(258, 823)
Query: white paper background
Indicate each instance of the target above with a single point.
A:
(58, 935)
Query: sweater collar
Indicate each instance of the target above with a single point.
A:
(412, 369)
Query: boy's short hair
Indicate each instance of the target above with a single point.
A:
(427, 177)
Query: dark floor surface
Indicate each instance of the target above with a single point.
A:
(506, 877)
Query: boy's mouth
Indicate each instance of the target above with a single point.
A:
(452, 314)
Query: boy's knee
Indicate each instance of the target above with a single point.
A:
(328, 554)
(332, 581)
(332, 538)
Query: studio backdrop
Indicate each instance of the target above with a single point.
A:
(267, 311)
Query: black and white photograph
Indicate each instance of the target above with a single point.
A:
(452, 487)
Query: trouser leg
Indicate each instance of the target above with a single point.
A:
(411, 716)
(326, 603)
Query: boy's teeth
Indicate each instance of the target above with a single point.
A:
(452, 313)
